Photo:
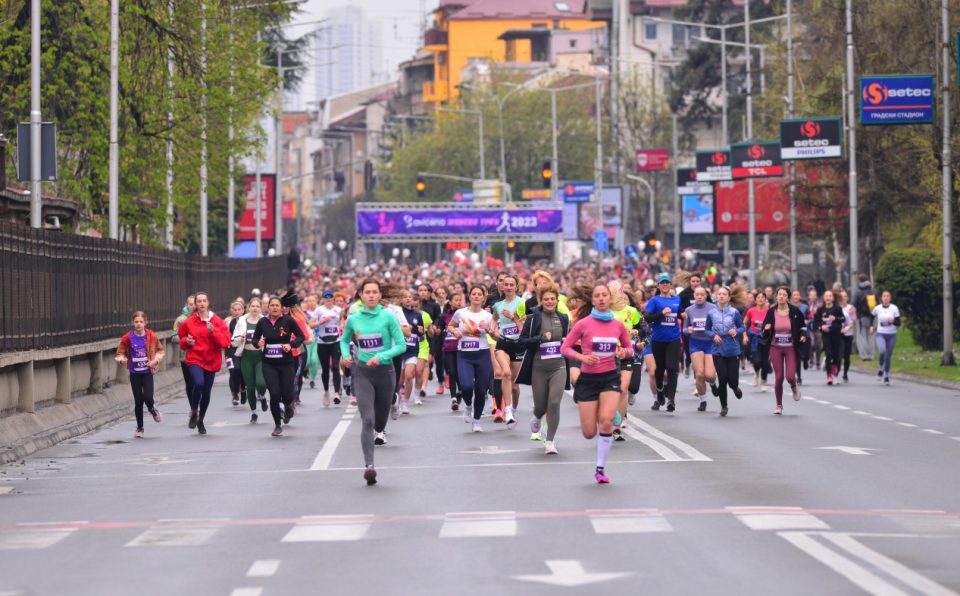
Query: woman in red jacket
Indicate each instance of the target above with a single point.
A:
(204, 336)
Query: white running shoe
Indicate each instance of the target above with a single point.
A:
(405, 407)
(549, 448)
(535, 425)
(418, 402)
(380, 439)
(467, 414)
(476, 427)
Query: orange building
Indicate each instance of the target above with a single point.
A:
(466, 30)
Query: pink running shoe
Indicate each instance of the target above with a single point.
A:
(601, 478)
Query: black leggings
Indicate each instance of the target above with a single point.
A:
(636, 377)
(450, 366)
(142, 386)
(202, 385)
(329, 355)
(279, 379)
(187, 379)
(436, 350)
(728, 374)
(833, 348)
(761, 361)
(236, 378)
(667, 356)
(847, 349)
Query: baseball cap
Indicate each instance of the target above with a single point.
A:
(327, 294)
(663, 277)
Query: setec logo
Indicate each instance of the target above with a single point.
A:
(810, 129)
(719, 158)
(875, 94)
(756, 151)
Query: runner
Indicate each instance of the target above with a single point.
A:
(829, 320)
(449, 349)
(251, 358)
(887, 319)
(423, 358)
(189, 307)
(375, 382)
(543, 366)
(392, 299)
(471, 326)
(278, 334)
(597, 392)
(141, 352)
(759, 353)
(204, 336)
(663, 310)
(233, 361)
(410, 356)
(848, 330)
(510, 312)
(701, 345)
(579, 295)
(629, 316)
(436, 347)
(433, 309)
(724, 326)
(686, 299)
(312, 312)
(816, 345)
(796, 299)
(291, 306)
(783, 333)
(328, 348)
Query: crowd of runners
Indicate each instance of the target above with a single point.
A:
(376, 336)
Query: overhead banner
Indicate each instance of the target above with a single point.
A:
(756, 160)
(247, 226)
(505, 222)
(896, 99)
(811, 138)
(653, 160)
(687, 183)
(714, 166)
(771, 204)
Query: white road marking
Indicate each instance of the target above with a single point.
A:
(907, 424)
(6, 490)
(691, 452)
(263, 568)
(629, 522)
(849, 450)
(849, 569)
(955, 438)
(809, 398)
(662, 450)
(884, 418)
(569, 574)
(779, 518)
(824, 402)
(839, 407)
(32, 540)
(247, 592)
(931, 431)
(159, 536)
(479, 524)
(323, 459)
(334, 528)
(862, 413)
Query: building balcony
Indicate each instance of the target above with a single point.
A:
(435, 39)
(435, 92)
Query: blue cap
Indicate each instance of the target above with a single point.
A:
(663, 277)
(327, 294)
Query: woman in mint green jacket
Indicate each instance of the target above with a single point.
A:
(379, 340)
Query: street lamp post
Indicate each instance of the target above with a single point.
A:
(947, 359)
(852, 157)
(114, 154)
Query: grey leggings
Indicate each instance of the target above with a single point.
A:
(547, 392)
(374, 390)
(885, 344)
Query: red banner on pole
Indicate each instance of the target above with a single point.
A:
(247, 227)
(653, 160)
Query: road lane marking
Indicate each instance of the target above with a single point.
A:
(639, 521)
(839, 407)
(884, 418)
(862, 413)
(323, 459)
(485, 524)
(173, 536)
(778, 518)
(651, 430)
(263, 568)
(247, 592)
(824, 402)
(907, 424)
(931, 431)
(329, 528)
(569, 574)
(33, 539)
(662, 450)
(849, 569)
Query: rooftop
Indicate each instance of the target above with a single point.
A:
(514, 9)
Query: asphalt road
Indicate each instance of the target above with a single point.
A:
(855, 489)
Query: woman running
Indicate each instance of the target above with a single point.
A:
(753, 322)
(629, 316)
(449, 349)
(299, 352)
(597, 393)
(544, 368)
(829, 320)
(311, 305)
(141, 352)
(510, 312)
(663, 311)
(436, 343)
(251, 358)
(848, 330)
(278, 334)
(189, 307)
(328, 348)
(701, 345)
(411, 356)
(724, 327)
(579, 295)
(204, 336)
(783, 333)
(886, 320)
(379, 341)
(392, 299)
(233, 359)
(471, 326)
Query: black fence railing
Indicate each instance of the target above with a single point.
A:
(59, 289)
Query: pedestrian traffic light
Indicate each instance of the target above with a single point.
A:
(650, 243)
(546, 173)
(421, 186)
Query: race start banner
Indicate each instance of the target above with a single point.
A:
(505, 222)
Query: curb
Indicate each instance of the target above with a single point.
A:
(951, 385)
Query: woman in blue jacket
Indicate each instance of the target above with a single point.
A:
(725, 328)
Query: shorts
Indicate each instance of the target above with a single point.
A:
(409, 360)
(700, 345)
(511, 348)
(647, 350)
(591, 385)
(626, 364)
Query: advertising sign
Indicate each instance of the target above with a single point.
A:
(536, 194)
(756, 160)
(687, 183)
(463, 196)
(896, 99)
(714, 166)
(576, 192)
(247, 226)
(653, 160)
(771, 202)
(811, 138)
(504, 222)
(612, 217)
(697, 214)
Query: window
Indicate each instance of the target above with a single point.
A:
(650, 31)
(573, 43)
(562, 6)
(679, 33)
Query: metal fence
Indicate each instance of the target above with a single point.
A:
(59, 289)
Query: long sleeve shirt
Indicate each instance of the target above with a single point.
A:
(378, 335)
(719, 324)
(285, 330)
(597, 338)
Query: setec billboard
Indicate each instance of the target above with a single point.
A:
(714, 166)
(811, 138)
(756, 160)
(896, 99)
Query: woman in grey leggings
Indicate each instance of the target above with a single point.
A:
(543, 367)
(886, 318)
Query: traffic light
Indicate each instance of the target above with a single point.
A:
(421, 186)
(511, 246)
(650, 243)
(546, 173)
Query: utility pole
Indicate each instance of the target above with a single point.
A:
(794, 277)
(278, 145)
(554, 162)
(36, 199)
(723, 117)
(231, 207)
(751, 202)
(169, 181)
(114, 175)
(676, 196)
(947, 359)
(852, 135)
(203, 130)
(598, 176)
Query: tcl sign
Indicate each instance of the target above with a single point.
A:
(652, 160)
(811, 138)
(756, 160)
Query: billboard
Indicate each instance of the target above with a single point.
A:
(612, 216)
(247, 226)
(811, 138)
(653, 160)
(466, 222)
(896, 99)
(696, 214)
(687, 183)
(756, 160)
(771, 203)
(714, 165)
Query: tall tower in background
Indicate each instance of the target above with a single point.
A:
(349, 53)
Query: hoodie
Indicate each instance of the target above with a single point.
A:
(378, 334)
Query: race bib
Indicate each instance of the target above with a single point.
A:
(511, 331)
(273, 351)
(469, 345)
(783, 339)
(250, 335)
(331, 329)
(669, 319)
(370, 342)
(549, 350)
(605, 346)
(229, 363)
(139, 364)
(413, 340)
(699, 324)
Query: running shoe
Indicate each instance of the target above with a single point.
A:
(253, 418)
(738, 392)
(845, 378)
(618, 435)
(370, 475)
(287, 414)
(723, 411)
(778, 411)
(157, 416)
(353, 401)
(886, 381)
(467, 414)
(193, 420)
(631, 399)
(536, 437)
(263, 403)
(405, 407)
(549, 448)
(277, 432)
(829, 379)
(336, 399)
(236, 399)
(702, 407)
(380, 439)
(511, 421)
(476, 427)
(454, 404)
(312, 385)
(715, 390)
(796, 393)
(879, 374)
(138, 434)
(422, 395)
(686, 372)
(656, 405)
(671, 406)
(534, 425)
(243, 398)
(394, 410)
(326, 400)
(497, 416)
(601, 478)
(440, 389)
(201, 428)
(418, 402)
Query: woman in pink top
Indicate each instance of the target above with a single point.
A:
(781, 332)
(597, 392)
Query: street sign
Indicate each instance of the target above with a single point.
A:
(896, 99)
(576, 192)
(487, 191)
(600, 241)
(48, 152)
(535, 194)
(483, 245)
(631, 250)
(811, 138)
(463, 196)
(756, 160)
(687, 183)
(653, 160)
(714, 166)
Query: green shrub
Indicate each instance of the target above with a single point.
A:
(914, 277)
